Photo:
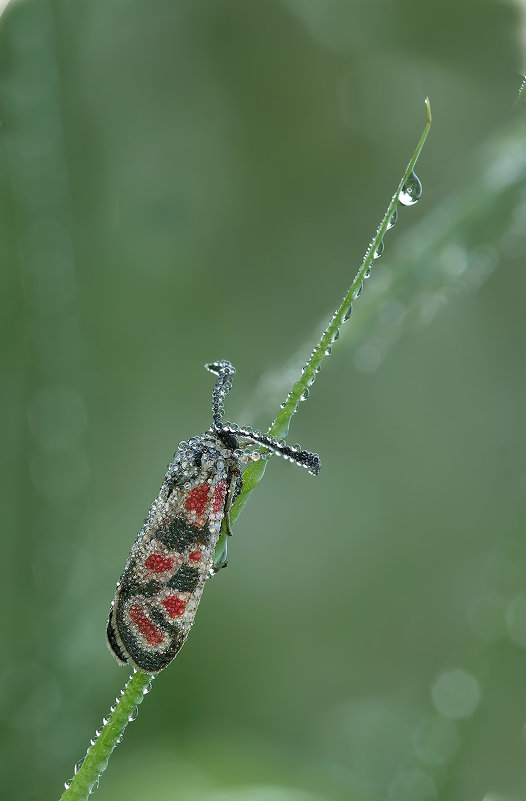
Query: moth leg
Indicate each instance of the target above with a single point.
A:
(236, 482)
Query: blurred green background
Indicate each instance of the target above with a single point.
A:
(182, 182)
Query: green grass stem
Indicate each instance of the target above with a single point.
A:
(88, 772)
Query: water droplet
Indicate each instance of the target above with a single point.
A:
(105, 721)
(133, 714)
(411, 191)
(367, 273)
(304, 395)
(328, 350)
(379, 250)
(78, 766)
(347, 314)
(358, 291)
(392, 219)
(456, 694)
(67, 784)
(336, 335)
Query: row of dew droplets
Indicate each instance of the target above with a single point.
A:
(409, 195)
(102, 764)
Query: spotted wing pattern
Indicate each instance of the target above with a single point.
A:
(162, 583)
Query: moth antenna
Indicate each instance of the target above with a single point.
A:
(311, 461)
(224, 372)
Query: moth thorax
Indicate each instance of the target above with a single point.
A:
(228, 439)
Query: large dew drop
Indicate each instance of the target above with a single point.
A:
(411, 192)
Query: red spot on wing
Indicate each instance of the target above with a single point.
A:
(158, 562)
(145, 627)
(195, 556)
(174, 605)
(219, 496)
(197, 499)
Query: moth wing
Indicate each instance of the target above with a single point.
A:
(161, 586)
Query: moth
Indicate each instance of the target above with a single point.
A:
(158, 593)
